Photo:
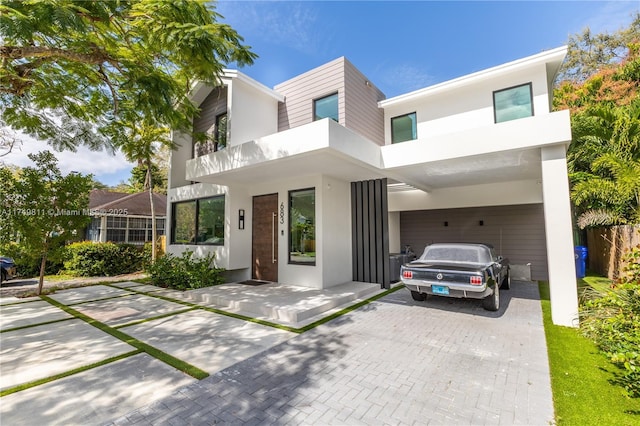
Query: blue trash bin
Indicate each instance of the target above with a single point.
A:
(580, 253)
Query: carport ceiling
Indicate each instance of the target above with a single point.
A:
(504, 166)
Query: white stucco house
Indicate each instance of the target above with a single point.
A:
(316, 181)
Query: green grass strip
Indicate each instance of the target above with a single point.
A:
(169, 314)
(35, 325)
(580, 378)
(273, 324)
(176, 363)
(39, 382)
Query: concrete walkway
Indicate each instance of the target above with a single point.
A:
(393, 361)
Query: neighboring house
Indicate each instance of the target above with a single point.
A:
(125, 218)
(315, 182)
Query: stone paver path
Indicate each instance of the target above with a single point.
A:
(394, 361)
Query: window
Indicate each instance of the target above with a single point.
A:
(211, 221)
(213, 140)
(302, 226)
(116, 229)
(326, 107)
(220, 135)
(184, 223)
(198, 221)
(513, 103)
(403, 128)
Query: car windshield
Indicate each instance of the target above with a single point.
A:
(453, 253)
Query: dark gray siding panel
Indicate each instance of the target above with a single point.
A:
(213, 105)
(517, 232)
(361, 105)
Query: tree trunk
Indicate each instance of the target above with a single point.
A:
(43, 264)
(149, 182)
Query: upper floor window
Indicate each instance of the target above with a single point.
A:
(212, 140)
(513, 103)
(326, 107)
(220, 133)
(403, 128)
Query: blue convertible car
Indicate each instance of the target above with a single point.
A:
(7, 268)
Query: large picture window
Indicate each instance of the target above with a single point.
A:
(513, 103)
(326, 107)
(198, 221)
(302, 226)
(403, 128)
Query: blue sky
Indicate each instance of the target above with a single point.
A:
(399, 46)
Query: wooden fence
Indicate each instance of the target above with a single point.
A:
(607, 245)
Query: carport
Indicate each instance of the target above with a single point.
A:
(516, 199)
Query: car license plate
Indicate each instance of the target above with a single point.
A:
(440, 289)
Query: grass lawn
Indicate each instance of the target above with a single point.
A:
(580, 374)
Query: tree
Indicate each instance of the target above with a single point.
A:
(604, 164)
(589, 53)
(42, 206)
(82, 72)
(601, 80)
(139, 178)
(141, 145)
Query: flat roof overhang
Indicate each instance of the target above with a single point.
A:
(497, 153)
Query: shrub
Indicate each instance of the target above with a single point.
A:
(185, 272)
(612, 321)
(89, 259)
(28, 263)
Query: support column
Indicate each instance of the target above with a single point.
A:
(559, 237)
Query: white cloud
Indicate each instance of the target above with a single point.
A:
(107, 168)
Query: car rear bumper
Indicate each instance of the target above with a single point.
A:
(455, 290)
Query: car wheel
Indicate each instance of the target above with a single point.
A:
(492, 303)
(506, 282)
(419, 297)
(3, 276)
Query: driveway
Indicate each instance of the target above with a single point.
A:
(393, 361)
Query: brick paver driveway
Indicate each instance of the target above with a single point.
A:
(394, 361)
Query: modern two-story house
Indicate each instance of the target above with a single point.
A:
(316, 181)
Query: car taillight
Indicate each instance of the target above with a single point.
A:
(407, 274)
(475, 280)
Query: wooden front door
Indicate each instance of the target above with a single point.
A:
(264, 263)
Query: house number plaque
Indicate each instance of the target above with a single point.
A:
(281, 213)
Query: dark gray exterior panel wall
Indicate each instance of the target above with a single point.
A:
(213, 105)
(370, 232)
(517, 232)
(361, 105)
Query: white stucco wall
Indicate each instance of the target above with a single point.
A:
(335, 230)
(470, 106)
(252, 113)
(178, 159)
(557, 213)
